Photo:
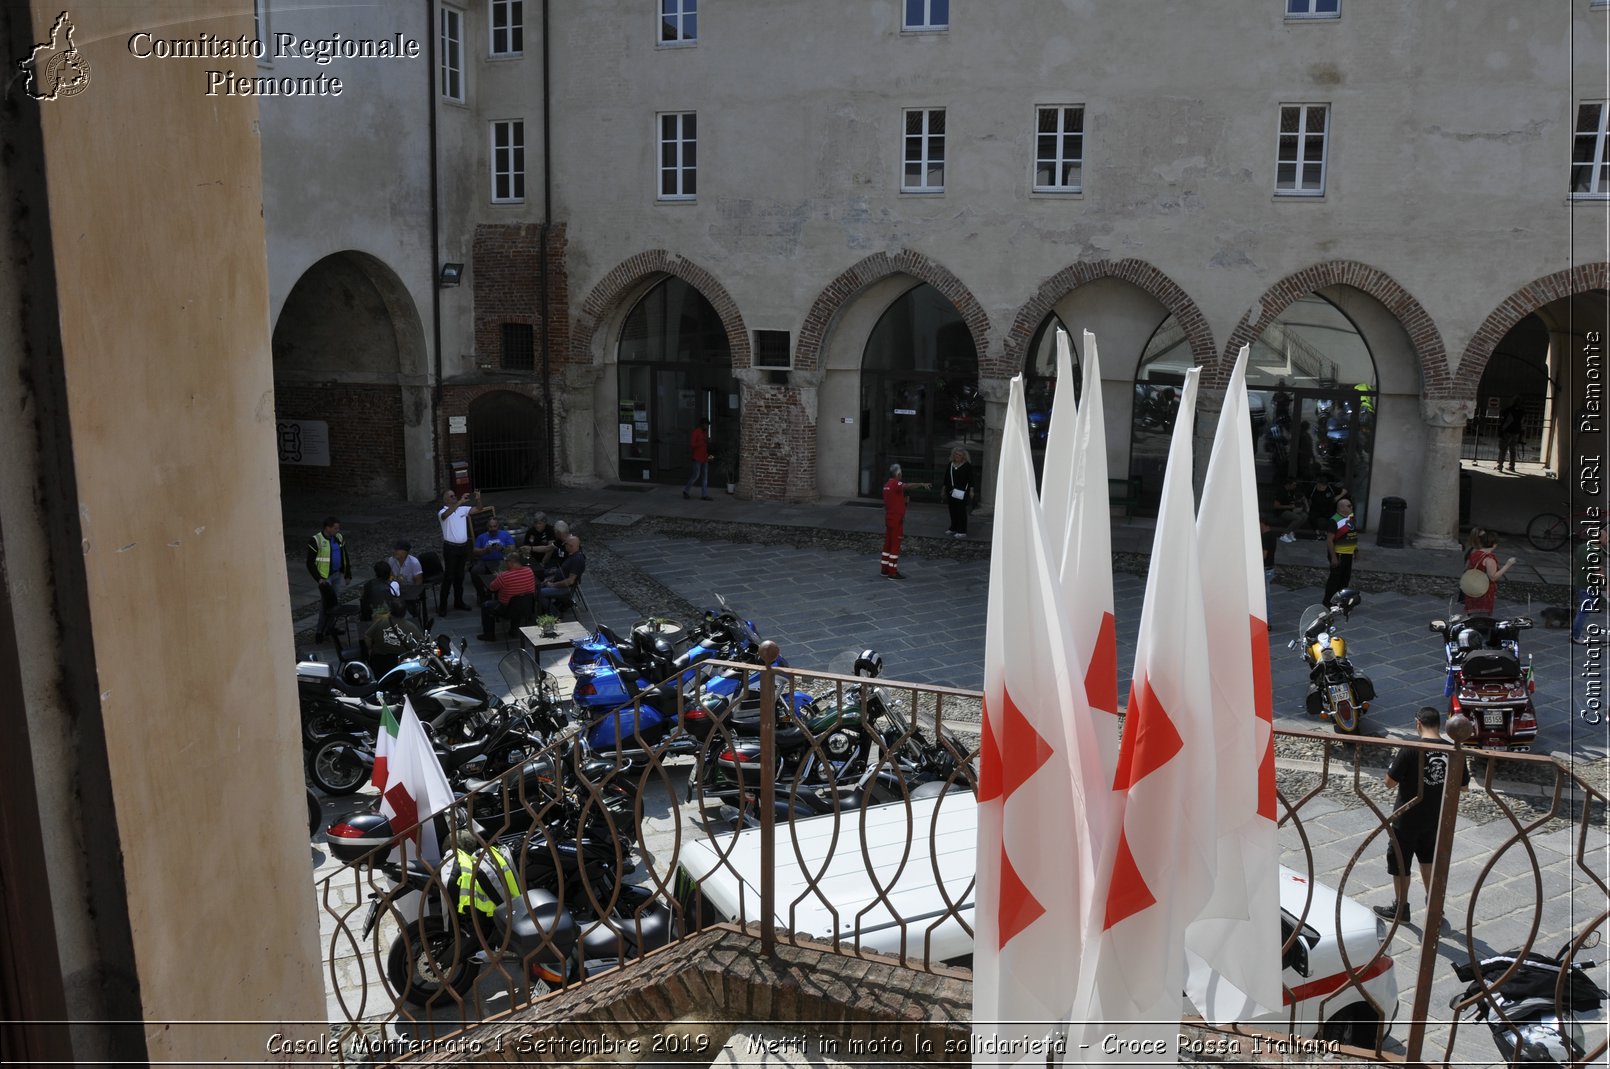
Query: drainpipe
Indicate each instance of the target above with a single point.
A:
(435, 249)
(542, 248)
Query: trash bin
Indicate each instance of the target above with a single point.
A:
(1464, 499)
(1390, 533)
(461, 477)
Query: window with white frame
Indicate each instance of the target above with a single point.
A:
(924, 151)
(1313, 9)
(1590, 151)
(508, 161)
(927, 15)
(1300, 164)
(679, 159)
(452, 52)
(507, 20)
(1059, 149)
(679, 22)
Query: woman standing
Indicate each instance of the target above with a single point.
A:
(959, 491)
(1483, 559)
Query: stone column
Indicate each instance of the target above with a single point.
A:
(1209, 403)
(576, 428)
(1445, 419)
(995, 393)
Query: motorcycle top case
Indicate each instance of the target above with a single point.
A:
(313, 670)
(360, 833)
(608, 688)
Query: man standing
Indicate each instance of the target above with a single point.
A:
(454, 517)
(1414, 832)
(699, 443)
(1509, 435)
(328, 564)
(894, 519)
(559, 584)
(1342, 545)
(515, 579)
(490, 547)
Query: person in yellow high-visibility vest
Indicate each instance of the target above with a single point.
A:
(486, 874)
(331, 568)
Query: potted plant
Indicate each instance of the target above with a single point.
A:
(727, 469)
(548, 624)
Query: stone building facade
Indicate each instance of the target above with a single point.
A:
(837, 230)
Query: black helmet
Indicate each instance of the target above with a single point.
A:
(1347, 600)
(869, 663)
(356, 674)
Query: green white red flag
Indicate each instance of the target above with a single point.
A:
(410, 780)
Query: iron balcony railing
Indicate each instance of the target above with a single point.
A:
(614, 857)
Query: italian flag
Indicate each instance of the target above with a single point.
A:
(410, 780)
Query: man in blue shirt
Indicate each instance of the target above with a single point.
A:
(490, 547)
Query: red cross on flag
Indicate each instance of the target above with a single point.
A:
(409, 777)
(1158, 870)
(1078, 522)
(1233, 947)
(1036, 863)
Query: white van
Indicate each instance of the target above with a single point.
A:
(897, 881)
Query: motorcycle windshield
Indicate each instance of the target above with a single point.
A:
(1310, 617)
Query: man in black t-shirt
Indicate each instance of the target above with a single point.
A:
(1414, 833)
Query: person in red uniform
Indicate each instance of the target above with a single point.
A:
(699, 444)
(894, 519)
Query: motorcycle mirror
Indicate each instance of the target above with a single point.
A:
(1437, 625)
(1292, 644)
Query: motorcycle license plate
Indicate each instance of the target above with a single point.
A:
(1340, 692)
(1493, 718)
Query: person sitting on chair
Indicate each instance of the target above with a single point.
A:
(549, 555)
(377, 590)
(410, 577)
(390, 636)
(491, 546)
(538, 536)
(515, 579)
(559, 584)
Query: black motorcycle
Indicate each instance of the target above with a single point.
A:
(1336, 690)
(1534, 1005)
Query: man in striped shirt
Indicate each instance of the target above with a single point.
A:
(515, 579)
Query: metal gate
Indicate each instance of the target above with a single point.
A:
(507, 442)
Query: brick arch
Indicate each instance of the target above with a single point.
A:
(628, 274)
(838, 293)
(1435, 379)
(1520, 304)
(1137, 273)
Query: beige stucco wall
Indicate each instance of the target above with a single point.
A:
(155, 205)
(1451, 125)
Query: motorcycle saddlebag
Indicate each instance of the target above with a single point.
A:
(1363, 689)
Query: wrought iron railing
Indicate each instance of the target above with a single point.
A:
(622, 856)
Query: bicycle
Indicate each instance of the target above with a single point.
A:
(1548, 531)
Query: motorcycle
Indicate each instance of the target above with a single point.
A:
(1533, 1005)
(821, 745)
(443, 686)
(1336, 690)
(1487, 681)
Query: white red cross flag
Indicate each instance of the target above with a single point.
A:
(1158, 870)
(1086, 551)
(1234, 945)
(1035, 859)
(409, 777)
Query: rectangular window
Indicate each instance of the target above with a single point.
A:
(508, 27)
(453, 54)
(679, 22)
(927, 15)
(1313, 9)
(1300, 165)
(772, 348)
(519, 349)
(1059, 149)
(1590, 151)
(508, 161)
(679, 159)
(924, 151)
